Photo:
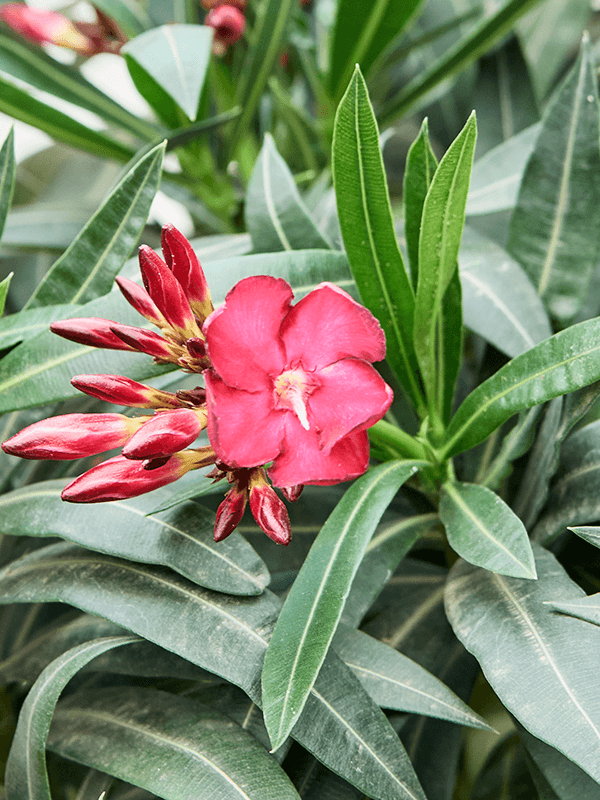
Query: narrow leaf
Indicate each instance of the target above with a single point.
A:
(439, 243)
(314, 605)
(421, 165)
(276, 216)
(26, 324)
(368, 229)
(190, 750)
(87, 269)
(484, 531)
(4, 291)
(563, 363)
(181, 538)
(555, 226)
(26, 776)
(537, 661)
(7, 177)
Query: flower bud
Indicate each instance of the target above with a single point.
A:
(292, 493)
(125, 392)
(166, 433)
(166, 291)
(38, 26)
(73, 436)
(91, 331)
(268, 510)
(139, 298)
(196, 347)
(183, 262)
(230, 512)
(229, 25)
(145, 342)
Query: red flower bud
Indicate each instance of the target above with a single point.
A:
(196, 347)
(228, 22)
(230, 513)
(166, 291)
(166, 433)
(73, 436)
(268, 510)
(91, 331)
(292, 493)
(145, 342)
(123, 391)
(140, 300)
(39, 26)
(183, 261)
(120, 478)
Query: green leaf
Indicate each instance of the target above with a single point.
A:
(130, 16)
(368, 229)
(18, 104)
(276, 217)
(439, 242)
(4, 291)
(29, 63)
(25, 324)
(45, 226)
(564, 362)
(180, 538)
(173, 58)
(554, 227)
(395, 681)
(496, 176)
(421, 165)
(189, 749)
(484, 531)
(514, 445)
(314, 605)
(26, 776)
(7, 177)
(537, 662)
(450, 331)
(361, 34)
(353, 738)
(491, 29)
(267, 42)
(505, 772)
(499, 302)
(87, 269)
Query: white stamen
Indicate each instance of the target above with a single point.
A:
(299, 408)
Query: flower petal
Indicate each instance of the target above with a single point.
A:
(352, 397)
(303, 461)
(328, 325)
(243, 427)
(243, 335)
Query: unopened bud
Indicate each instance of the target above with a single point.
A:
(166, 433)
(228, 22)
(124, 392)
(292, 493)
(183, 261)
(230, 512)
(167, 293)
(91, 331)
(145, 342)
(268, 510)
(196, 347)
(139, 298)
(39, 26)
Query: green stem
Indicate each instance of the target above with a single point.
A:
(403, 443)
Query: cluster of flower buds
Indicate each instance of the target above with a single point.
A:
(227, 19)
(40, 26)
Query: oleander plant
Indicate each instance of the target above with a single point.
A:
(265, 254)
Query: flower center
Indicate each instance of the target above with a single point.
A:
(292, 389)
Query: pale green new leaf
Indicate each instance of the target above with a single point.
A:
(87, 269)
(555, 227)
(368, 230)
(484, 531)
(26, 777)
(421, 165)
(4, 291)
(276, 217)
(314, 605)
(537, 661)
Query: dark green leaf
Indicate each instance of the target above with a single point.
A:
(87, 269)
(450, 330)
(421, 165)
(504, 773)
(7, 177)
(25, 324)
(554, 227)
(314, 605)
(563, 363)
(368, 230)
(175, 57)
(26, 776)
(180, 538)
(537, 661)
(484, 531)
(276, 216)
(189, 749)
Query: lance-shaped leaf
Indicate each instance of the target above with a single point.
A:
(439, 242)
(26, 324)
(567, 361)
(368, 229)
(189, 748)
(395, 681)
(4, 291)
(341, 724)
(180, 538)
(555, 225)
(276, 217)
(314, 605)
(499, 302)
(514, 445)
(537, 661)
(421, 165)
(496, 176)
(484, 531)
(26, 776)
(7, 177)
(87, 269)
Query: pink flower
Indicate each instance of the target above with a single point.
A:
(229, 25)
(293, 385)
(39, 26)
